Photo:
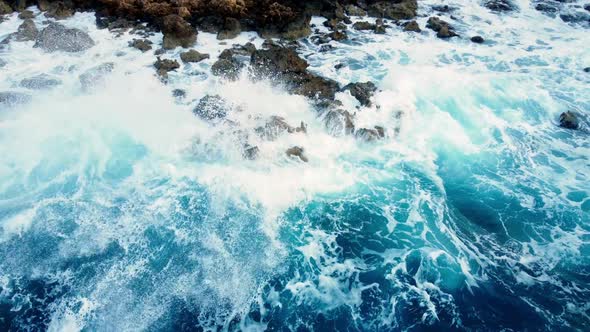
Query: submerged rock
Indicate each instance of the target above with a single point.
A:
(143, 45)
(193, 56)
(10, 98)
(339, 122)
(177, 32)
(2, 63)
(56, 37)
(39, 82)
(361, 91)
(443, 29)
(212, 108)
(298, 152)
(95, 75)
(370, 135)
(569, 120)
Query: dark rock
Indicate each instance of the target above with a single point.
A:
(353, 10)
(193, 56)
(177, 32)
(227, 68)
(412, 26)
(291, 30)
(231, 29)
(95, 75)
(39, 82)
(546, 8)
(277, 60)
(326, 48)
(8, 98)
(442, 28)
(321, 39)
(442, 8)
(380, 27)
(336, 66)
(143, 45)
(57, 9)
(587, 7)
(25, 14)
(56, 37)
(578, 17)
(339, 122)
(250, 152)
(370, 135)
(165, 65)
(361, 91)
(210, 24)
(569, 120)
(178, 93)
(500, 5)
(312, 86)
(395, 10)
(587, 69)
(212, 108)
(297, 151)
(26, 31)
(477, 39)
(363, 25)
(5, 8)
(338, 35)
(277, 126)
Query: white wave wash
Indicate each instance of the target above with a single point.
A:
(129, 132)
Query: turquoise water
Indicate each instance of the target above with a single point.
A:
(120, 210)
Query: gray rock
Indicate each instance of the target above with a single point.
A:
(26, 31)
(26, 14)
(370, 135)
(364, 25)
(276, 126)
(95, 75)
(500, 5)
(361, 91)
(339, 122)
(2, 63)
(56, 37)
(9, 98)
(39, 82)
(212, 108)
(251, 152)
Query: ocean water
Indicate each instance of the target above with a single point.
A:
(122, 211)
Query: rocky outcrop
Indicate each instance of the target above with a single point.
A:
(26, 31)
(143, 45)
(370, 134)
(412, 26)
(177, 32)
(394, 10)
(56, 37)
(339, 122)
(569, 120)
(230, 29)
(193, 56)
(277, 126)
(5, 8)
(443, 29)
(361, 91)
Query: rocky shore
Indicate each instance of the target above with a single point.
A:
(282, 23)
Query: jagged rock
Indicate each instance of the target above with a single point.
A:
(569, 120)
(5, 8)
(339, 122)
(353, 10)
(231, 29)
(95, 75)
(56, 37)
(293, 27)
(577, 17)
(227, 68)
(39, 82)
(193, 56)
(9, 98)
(177, 32)
(442, 28)
(212, 108)
(412, 26)
(364, 25)
(320, 39)
(143, 45)
(26, 14)
(165, 65)
(57, 9)
(297, 151)
(277, 60)
(276, 126)
(370, 135)
(395, 10)
(477, 39)
(26, 31)
(250, 152)
(500, 5)
(361, 91)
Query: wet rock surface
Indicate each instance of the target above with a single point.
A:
(143, 45)
(500, 5)
(297, 152)
(39, 82)
(56, 37)
(276, 126)
(95, 75)
(10, 98)
(177, 32)
(26, 31)
(212, 108)
(443, 29)
(569, 120)
(163, 66)
(193, 56)
(361, 91)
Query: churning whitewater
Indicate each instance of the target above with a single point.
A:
(120, 210)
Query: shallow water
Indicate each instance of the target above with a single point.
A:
(121, 210)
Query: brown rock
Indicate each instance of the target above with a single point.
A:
(297, 151)
(412, 26)
(193, 56)
(231, 29)
(177, 32)
(165, 65)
